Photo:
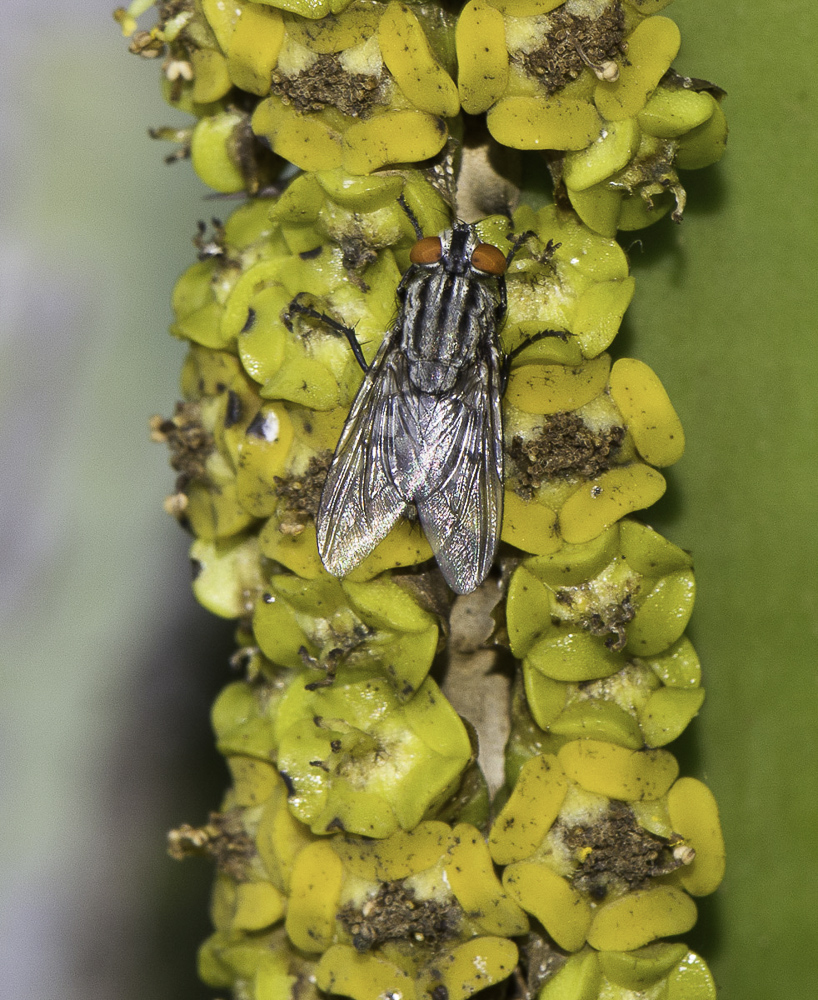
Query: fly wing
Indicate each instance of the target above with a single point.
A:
(461, 503)
(360, 503)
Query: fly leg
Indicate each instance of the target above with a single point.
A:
(505, 371)
(411, 216)
(516, 243)
(296, 306)
(544, 258)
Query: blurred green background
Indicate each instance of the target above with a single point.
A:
(108, 666)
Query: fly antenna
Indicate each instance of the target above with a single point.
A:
(411, 216)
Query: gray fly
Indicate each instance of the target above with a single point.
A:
(425, 430)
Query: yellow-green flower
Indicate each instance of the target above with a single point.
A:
(589, 847)
(568, 67)
(591, 85)
(362, 89)
(599, 629)
(359, 851)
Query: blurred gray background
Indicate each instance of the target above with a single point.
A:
(108, 665)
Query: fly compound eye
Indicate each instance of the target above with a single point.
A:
(429, 250)
(489, 259)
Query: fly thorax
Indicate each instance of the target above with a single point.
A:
(447, 317)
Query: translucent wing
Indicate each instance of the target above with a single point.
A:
(442, 452)
(360, 503)
(461, 501)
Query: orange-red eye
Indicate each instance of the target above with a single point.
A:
(429, 250)
(489, 259)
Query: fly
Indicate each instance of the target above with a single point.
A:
(425, 430)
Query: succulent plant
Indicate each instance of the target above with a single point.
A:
(396, 826)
